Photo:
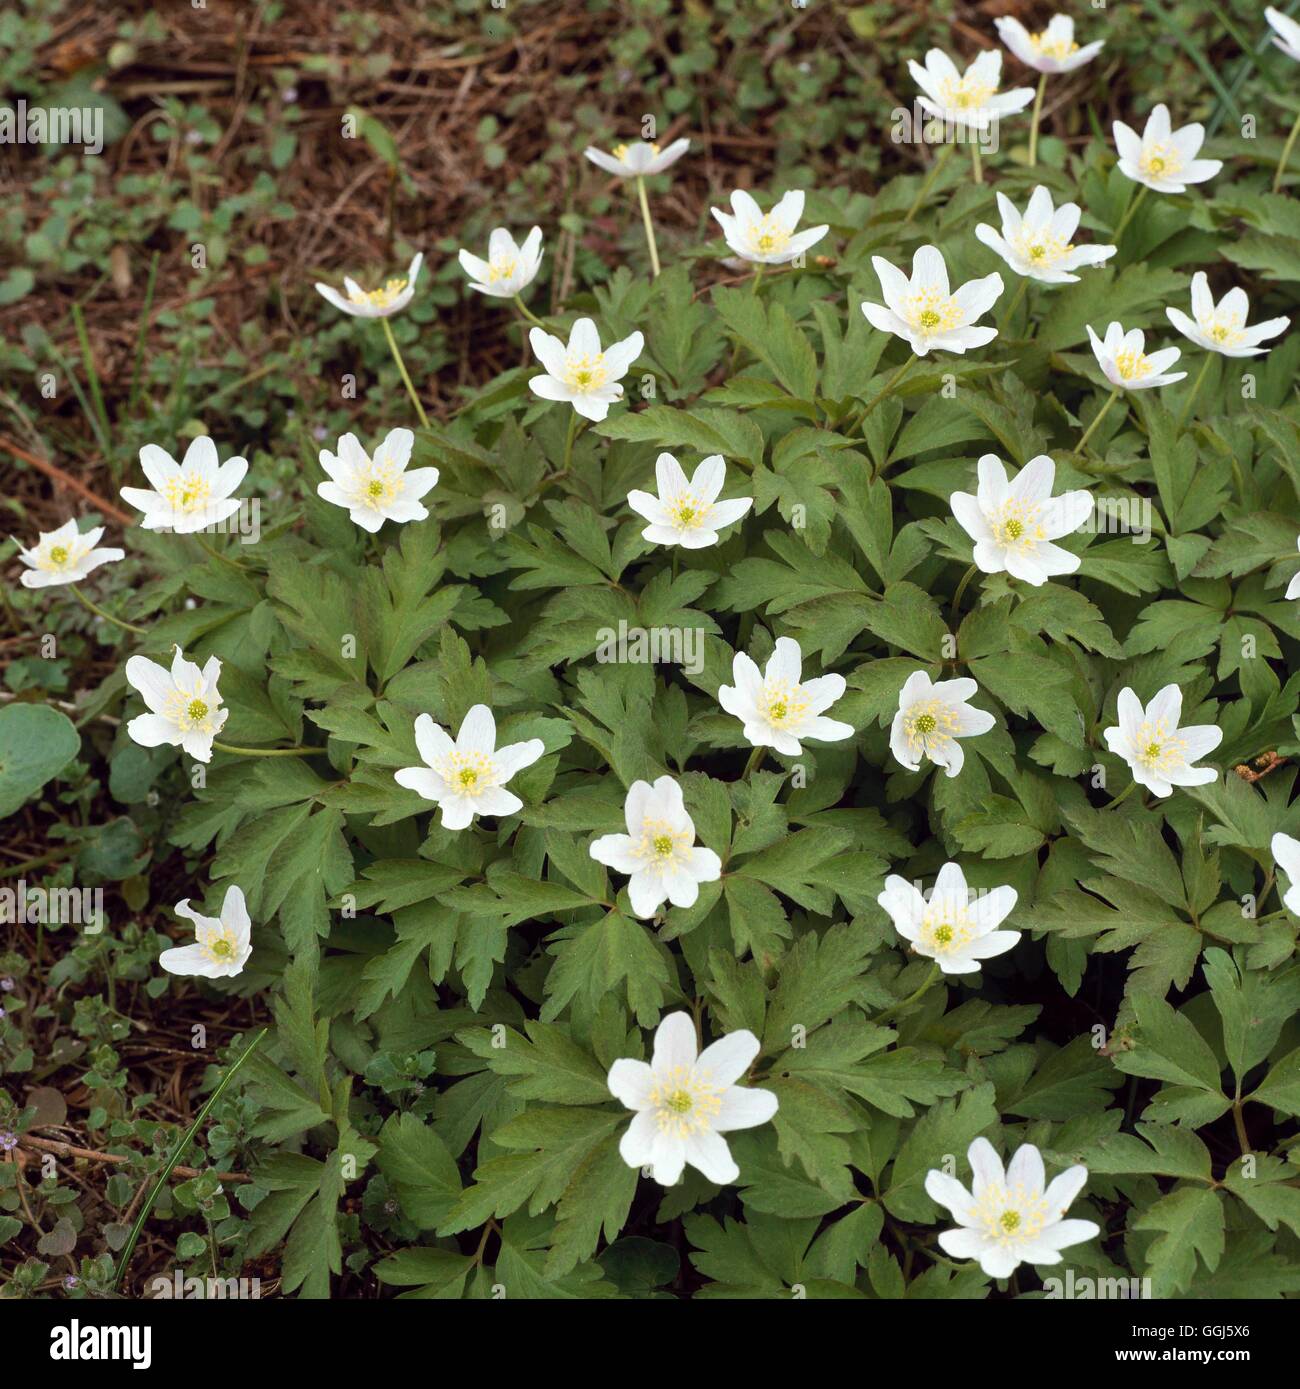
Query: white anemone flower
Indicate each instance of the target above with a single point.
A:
(1053, 50)
(467, 777)
(221, 945)
(1037, 245)
(1286, 854)
(1125, 364)
(658, 852)
(969, 98)
(1013, 523)
(687, 513)
(1162, 158)
(777, 707)
(1293, 588)
(64, 556)
(1158, 752)
(1012, 1217)
(390, 298)
(187, 496)
(685, 1102)
(1222, 328)
(378, 489)
(638, 159)
(923, 311)
(509, 268)
(1286, 32)
(767, 238)
(948, 927)
(184, 704)
(931, 716)
(581, 373)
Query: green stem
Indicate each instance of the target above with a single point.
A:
(977, 169)
(751, 766)
(175, 1157)
(1196, 386)
(649, 227)
(758, 275)
(1115, 800)
(569, 439)
(1021, 288)
(911, 998)
(401, 366)
(936, 167)
(1096, 419)
(961, 592)
(528, 313)
(107, 616)
(1286, 154)
(1134, 204)
(216, 554)
(267, 752)
(1037, 116)
(885, 390)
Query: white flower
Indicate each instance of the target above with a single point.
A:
(687, 513)
(1012, 1217)
(1013, 524)
(948, 928)
(658, 851)
(1286, 32)
(1223, 328)
(64, 556)
(184, 704)
(776, 709)
(1293, 588)
(581, 373)
(969, 98)
(221, 947)
(1286, 854)
(1053, 50)
(637, 159)
(1158, 752)
(1124, 364)
(931, 717)
(187, 496)
(685, 1102)
(1163, 159)
(922, 310)
(509, 268)
(377, 489)
(392, 298)
(767, 238)
(467, 777)
(1038, 244)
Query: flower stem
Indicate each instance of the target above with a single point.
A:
(936, 168)
(569, 440)
(401, 366)
(1286, 154)
(755, 758)
(216, 554)
(912, 997)
(267, 752)
(961, 592)
(758, 276)
(1134, 204)
(107, 616)
(1115, 800)
(1196, 386)
(649, 226)
(1096, 419)
(886, 389)
(528, 313)
(1015, 302)
(977, 169)
(1033, 124)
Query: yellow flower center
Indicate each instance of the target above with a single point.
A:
(1010, 1221)
(376, 485)
(1059, 49)
(187, 494)
(1011, 1215)
(929, 726)
(1160, 750)
(220, 946)
(469, 773)
(620, 151)
(585, 373)
(1224, 329)
(1160, 161)
(1133, 366)
(946, 926)
(502, 268)
(196, 711)
(930, 311)
(684, 1103)
(1016, 524)
(378, 298)
(1037, 244)
(784, 703)
(926, 723)
(768, 237)
(59, 555)
(965, 94)
(688, 511)
(662, 846)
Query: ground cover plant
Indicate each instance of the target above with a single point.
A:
(685, 698)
